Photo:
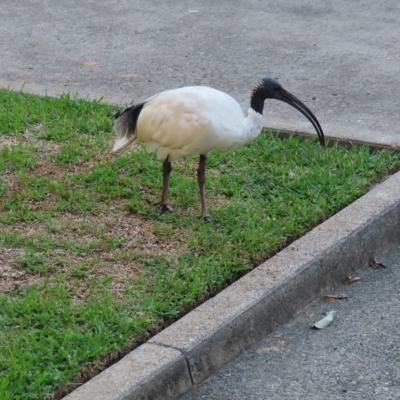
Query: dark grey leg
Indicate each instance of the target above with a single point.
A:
(167, 168)
(201, 177)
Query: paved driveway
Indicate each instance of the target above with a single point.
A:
(342, 58)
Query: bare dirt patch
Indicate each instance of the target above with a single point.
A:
(11, 275)
(12, 183)
(87, 248)
(44, 147)
(56, 170)
(83, 247)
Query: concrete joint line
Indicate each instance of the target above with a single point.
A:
(191, 349)
(184, 355)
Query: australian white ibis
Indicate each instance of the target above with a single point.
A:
(195, 120)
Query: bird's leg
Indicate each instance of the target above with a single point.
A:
(201, 177)
(164, 198)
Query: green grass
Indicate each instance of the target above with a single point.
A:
(75, 216)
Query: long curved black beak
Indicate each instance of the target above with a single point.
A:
(288, 98)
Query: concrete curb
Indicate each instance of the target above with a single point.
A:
(187, 352)
(332, 140)
(148, 372)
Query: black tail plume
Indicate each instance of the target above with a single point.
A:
(129, 116)
(125, 125)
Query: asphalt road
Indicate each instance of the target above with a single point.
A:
(356, 357)
(341, 58)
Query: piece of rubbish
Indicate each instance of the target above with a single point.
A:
(376, 265)
(330, 298)
(324, 322)
(351, 279)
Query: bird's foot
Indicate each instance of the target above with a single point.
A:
(164, 208)
(205, 218)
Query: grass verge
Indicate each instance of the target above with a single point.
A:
(88, 272)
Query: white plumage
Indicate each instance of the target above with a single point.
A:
(195, 120)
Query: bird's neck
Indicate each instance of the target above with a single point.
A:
(255, 117)
(253, 125)
(257, 102)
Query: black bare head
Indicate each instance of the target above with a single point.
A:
(269, 88)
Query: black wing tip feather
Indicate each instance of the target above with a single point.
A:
(126, 120)
(129, 108)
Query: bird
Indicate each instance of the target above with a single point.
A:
(194, 120)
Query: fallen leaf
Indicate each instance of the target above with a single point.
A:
(324, 322)
(376, 265)
(351, 279)
(91, 64)
(330, 298)
(129, 76)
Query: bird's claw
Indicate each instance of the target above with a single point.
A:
(164, 208)
(205, 218)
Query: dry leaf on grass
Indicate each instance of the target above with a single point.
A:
(324, 322)
(376, 265)
(330, 298)
(351, 279)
